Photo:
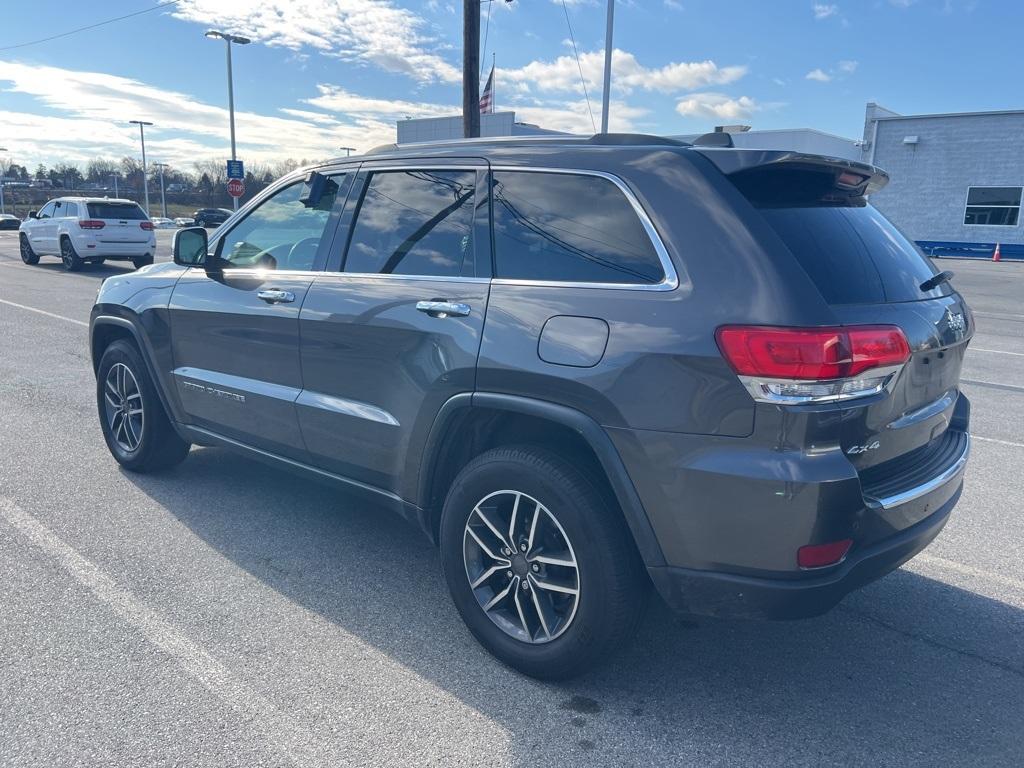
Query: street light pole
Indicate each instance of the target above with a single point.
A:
(470, 69)
(145, 176)
(348, 150)
(229, 39)
(607, 66)
(2, 175)
(163, 199)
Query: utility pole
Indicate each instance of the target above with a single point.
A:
(348, 150)
(163, 198)
(471, 68)
(145, 175)
(3, 174)
(606, 98)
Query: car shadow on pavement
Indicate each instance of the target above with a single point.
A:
(98, 271)
(908, 671)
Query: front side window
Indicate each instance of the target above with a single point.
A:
(993, 206)
(282, 233)
(569, 228)
(414, 223)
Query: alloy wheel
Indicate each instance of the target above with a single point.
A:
(123, 405)
(521, 566)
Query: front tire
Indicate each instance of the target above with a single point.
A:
(28, 255)
(540, 563)
(68, 255)
(135, 426)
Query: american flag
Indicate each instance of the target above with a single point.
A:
(487, 100)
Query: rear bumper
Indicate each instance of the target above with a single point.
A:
(728, 595)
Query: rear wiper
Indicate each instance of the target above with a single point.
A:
(937, 280)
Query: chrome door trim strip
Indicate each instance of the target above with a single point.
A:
(347, 407)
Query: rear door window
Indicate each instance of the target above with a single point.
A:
(126, 211)
(71, 209)
(414, 222)
(854, 255)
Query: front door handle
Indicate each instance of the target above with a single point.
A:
(439, 308)
(276, 296)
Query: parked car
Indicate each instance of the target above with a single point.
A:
(581, 366)
(184, 221)
(7, 221)
(160, 222)
(88, 229)
(210, 217)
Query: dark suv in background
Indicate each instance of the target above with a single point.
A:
(581, 366)
(211, 217)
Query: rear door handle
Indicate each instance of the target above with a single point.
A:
(437, 308)
(276, 296)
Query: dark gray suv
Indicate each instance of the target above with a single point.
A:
(581, 366)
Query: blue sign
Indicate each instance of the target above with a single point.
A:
(235, 169)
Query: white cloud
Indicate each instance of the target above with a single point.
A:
(818, 74)
(717, 106)
(848, 66)
(628, 74)
(93, 109)
(673, 5)
(574, 117)
(374, 32)
(824, 10)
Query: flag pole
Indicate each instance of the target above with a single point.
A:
(494, 90)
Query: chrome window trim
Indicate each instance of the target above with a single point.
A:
(950, 473)
(670, 280)
(267, 274)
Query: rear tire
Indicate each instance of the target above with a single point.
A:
(581, 543)
(68, 255)
(135, 426)
(142, 261)
(99, 262)
(27, 254)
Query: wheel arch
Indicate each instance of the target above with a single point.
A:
(469, 424)
(104, 330)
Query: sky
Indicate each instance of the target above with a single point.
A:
(322, 74)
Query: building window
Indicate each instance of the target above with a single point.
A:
(993, 206)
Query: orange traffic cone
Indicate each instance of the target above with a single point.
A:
(996, 256)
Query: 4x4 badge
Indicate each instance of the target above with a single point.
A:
(855, 449)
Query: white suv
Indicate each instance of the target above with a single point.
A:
(93, 229)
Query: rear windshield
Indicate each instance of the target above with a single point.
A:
(854, 255)
(116, 211)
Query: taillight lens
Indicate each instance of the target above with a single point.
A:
(92, 224)
(794, 365)
(147, 225)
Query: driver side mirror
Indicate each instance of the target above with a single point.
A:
(190, 247)
(33, 215)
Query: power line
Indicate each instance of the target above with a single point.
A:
(579, 66)
(90, 26)
(487, 28)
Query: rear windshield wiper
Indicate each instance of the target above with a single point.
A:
(937, 280)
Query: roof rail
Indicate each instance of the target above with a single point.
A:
(603, 139)
(716, 139)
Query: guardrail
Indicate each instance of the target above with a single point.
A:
(940, 248)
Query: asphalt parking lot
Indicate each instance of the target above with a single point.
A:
(227, 614)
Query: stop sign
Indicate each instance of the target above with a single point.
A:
(236, 187)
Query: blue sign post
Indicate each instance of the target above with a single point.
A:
(235, 169)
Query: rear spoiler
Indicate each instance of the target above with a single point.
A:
(764, 175)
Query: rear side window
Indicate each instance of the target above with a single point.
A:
(129, 211)
(569, 228)
(414, 223)
(71, 209)
(854, 255)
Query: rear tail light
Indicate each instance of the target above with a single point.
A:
(147, 225)
(821, 555)
(806, 365)
(92, 224)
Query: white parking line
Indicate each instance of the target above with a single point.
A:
(293, 739)
(997, 442)
(996, 351)
(969, 570)
(44, 312)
